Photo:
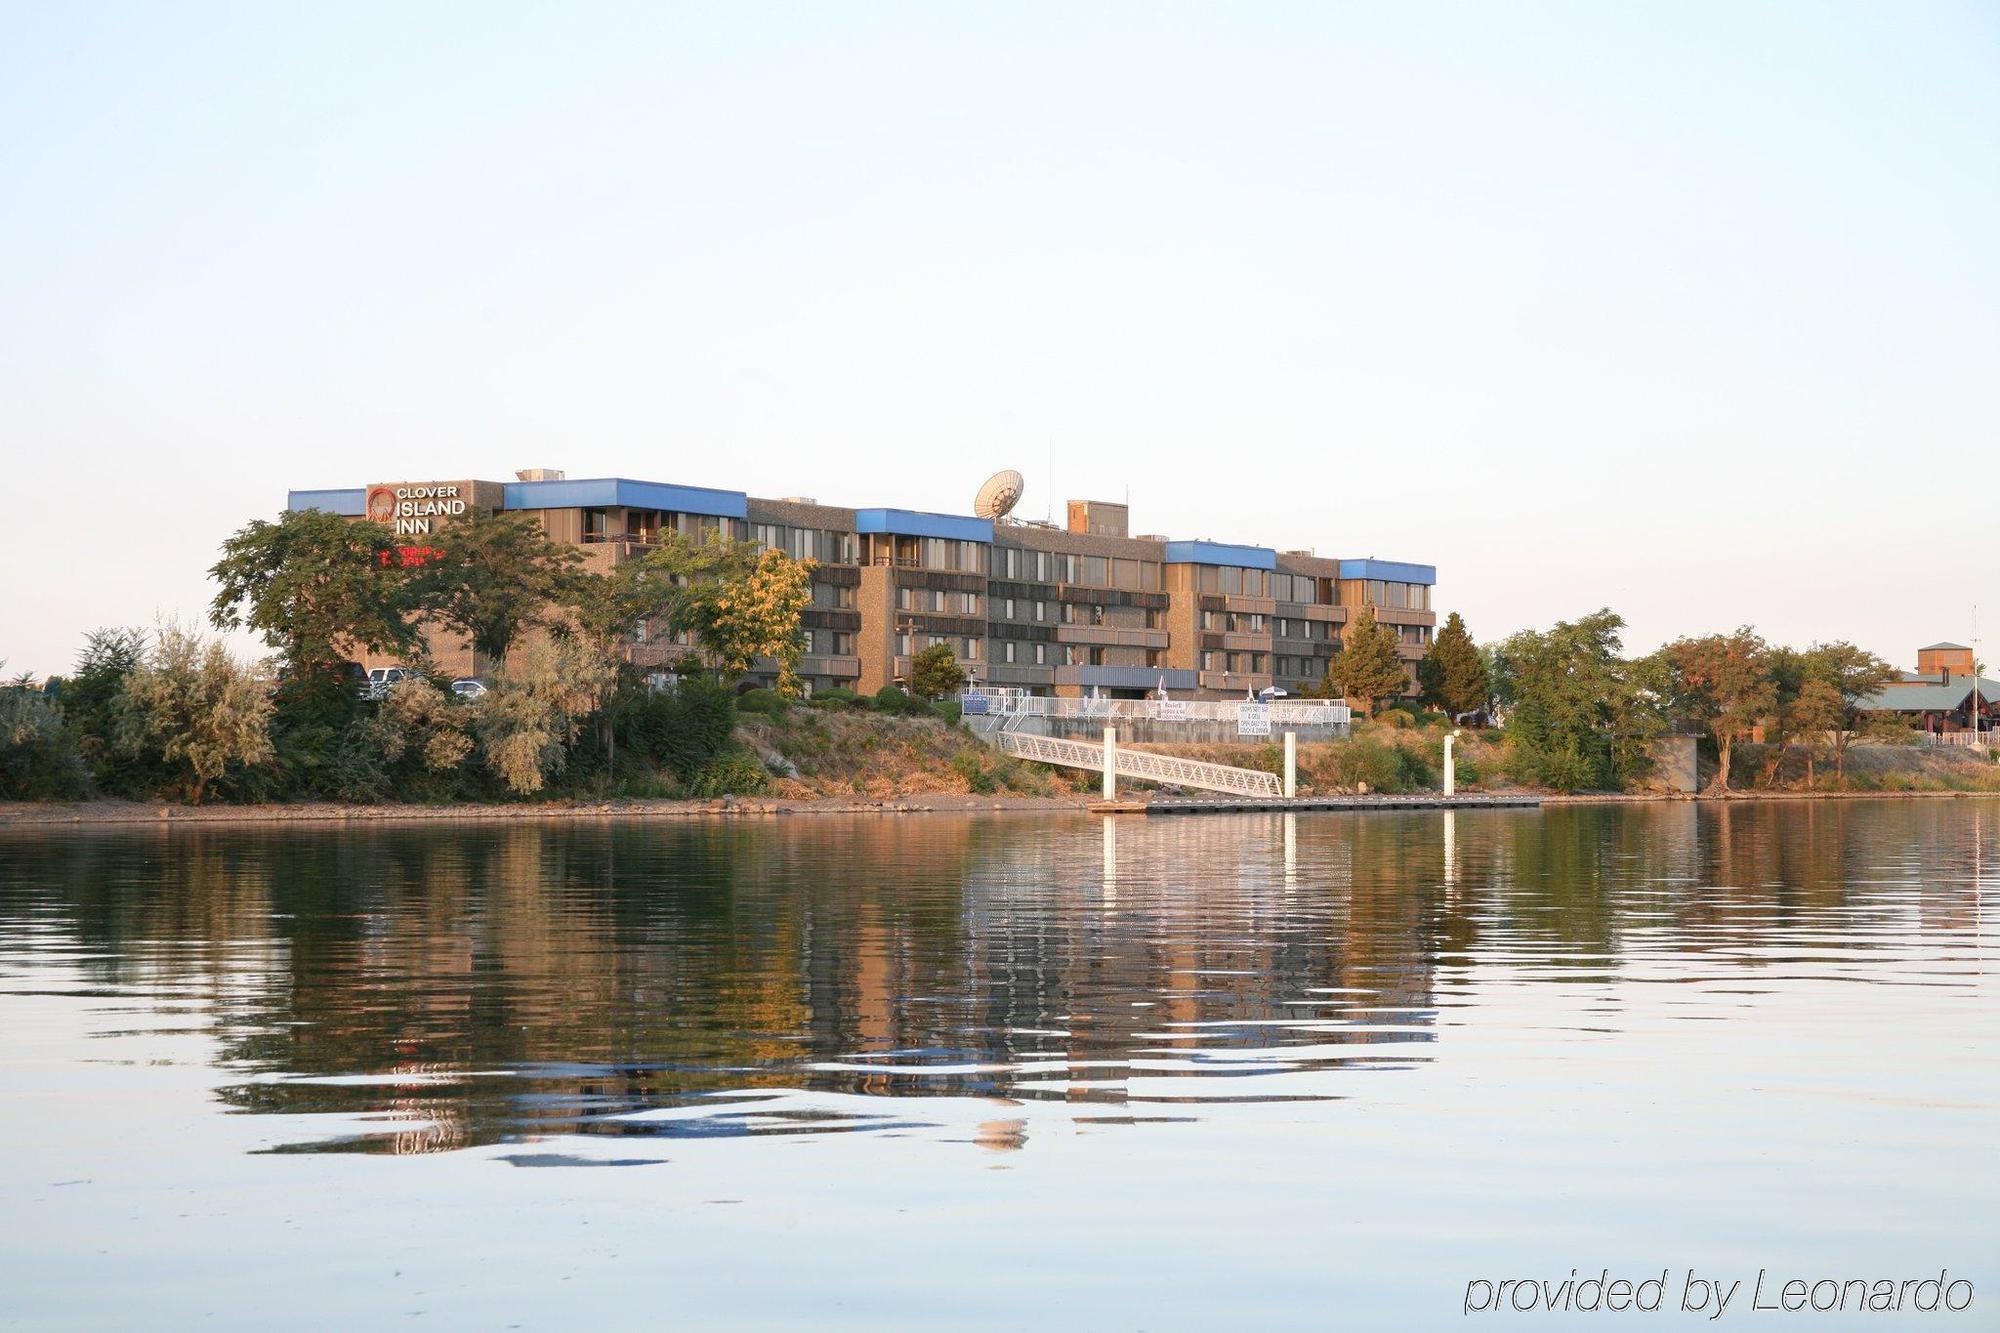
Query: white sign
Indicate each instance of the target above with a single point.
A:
(1173, 710)
(1253, 719)
(409, 510)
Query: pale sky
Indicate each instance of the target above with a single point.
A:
(1691, 310)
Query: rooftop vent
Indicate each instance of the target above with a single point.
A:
(539, 474)
(1153, 537)
(1303, 550)
(797, 500)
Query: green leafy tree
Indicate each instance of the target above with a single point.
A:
(1723, 683)
(1367, 669)
(495, 576)
(1854, 674)
(199, 708)
(739, 601)
(1453, 674)
(1579, 715)
(90, 702)
(1817, 713)
(40, 758)
(320, 588)
(532, 713)
(935, 673)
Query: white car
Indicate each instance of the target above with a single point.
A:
(380, 679)
(469, 689)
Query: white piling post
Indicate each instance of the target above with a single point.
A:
(1450, 766)
(1111, 763)
(1291, 764)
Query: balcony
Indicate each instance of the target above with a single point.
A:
(824, 664)
(1110, 636)
(1234, 682)
(1247, 641)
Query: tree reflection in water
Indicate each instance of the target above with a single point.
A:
(419, 989)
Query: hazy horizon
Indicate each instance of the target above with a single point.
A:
(1690, 311)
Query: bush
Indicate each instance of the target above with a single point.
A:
(895, 702)
(1398, 718)
(767, 702)
(40, 758)
(968, 765)
(736, 773)
(835, 698)
(951, 710)
(680, 729)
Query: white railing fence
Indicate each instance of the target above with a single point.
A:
(1332, 713)
(1141, 764)
(1969, 740)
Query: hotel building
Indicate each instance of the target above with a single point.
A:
(1068, 610)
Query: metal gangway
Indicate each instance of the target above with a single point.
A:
(1138, 764)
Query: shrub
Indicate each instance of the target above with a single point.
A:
(1398, 718)
(968, 765)
(679, 729)
(40, 758)
(736, 773)
(834, 698)
(890, 699)
(767, 702)
(950, 710)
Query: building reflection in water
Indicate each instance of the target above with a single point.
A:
(428, 988)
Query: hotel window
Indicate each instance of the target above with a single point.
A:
(1096, 571)
(1006, 650)
(968, 649)
(902, 645)
(1041, 610)
(937, 599)
(906, 599)
(1041, 654)
(1208, 661)
(968, 603)
(1008, 614)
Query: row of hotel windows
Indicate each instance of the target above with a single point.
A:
(1250, 622)
(831, 547)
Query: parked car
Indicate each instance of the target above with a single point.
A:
(469, 688)
(381, 678)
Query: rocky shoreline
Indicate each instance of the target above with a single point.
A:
(15, 815)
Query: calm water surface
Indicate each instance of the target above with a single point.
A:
(998, 1072)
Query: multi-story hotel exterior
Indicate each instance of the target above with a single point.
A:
(1069, 610)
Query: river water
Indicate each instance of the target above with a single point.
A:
(1006, 1071)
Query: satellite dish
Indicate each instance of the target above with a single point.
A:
(997, 498)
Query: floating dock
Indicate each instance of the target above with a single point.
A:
(1162, 804)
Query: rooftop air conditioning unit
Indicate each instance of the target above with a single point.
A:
(539, 474)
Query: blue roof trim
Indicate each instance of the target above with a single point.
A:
(910, 523)
(1221, 553)
(604, 492)
(1390, 571)
(347, 503)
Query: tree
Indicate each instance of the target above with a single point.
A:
(1818, 712)
(1367, 668)
(1722, 682)
(494, 576)
(200, 708)
(1579, 715)
(1855, 674)
(935, 673)
(317, 587)
(90, 701)
(528, 719)
(739, 601)
(1453, 674)
(39, 755)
